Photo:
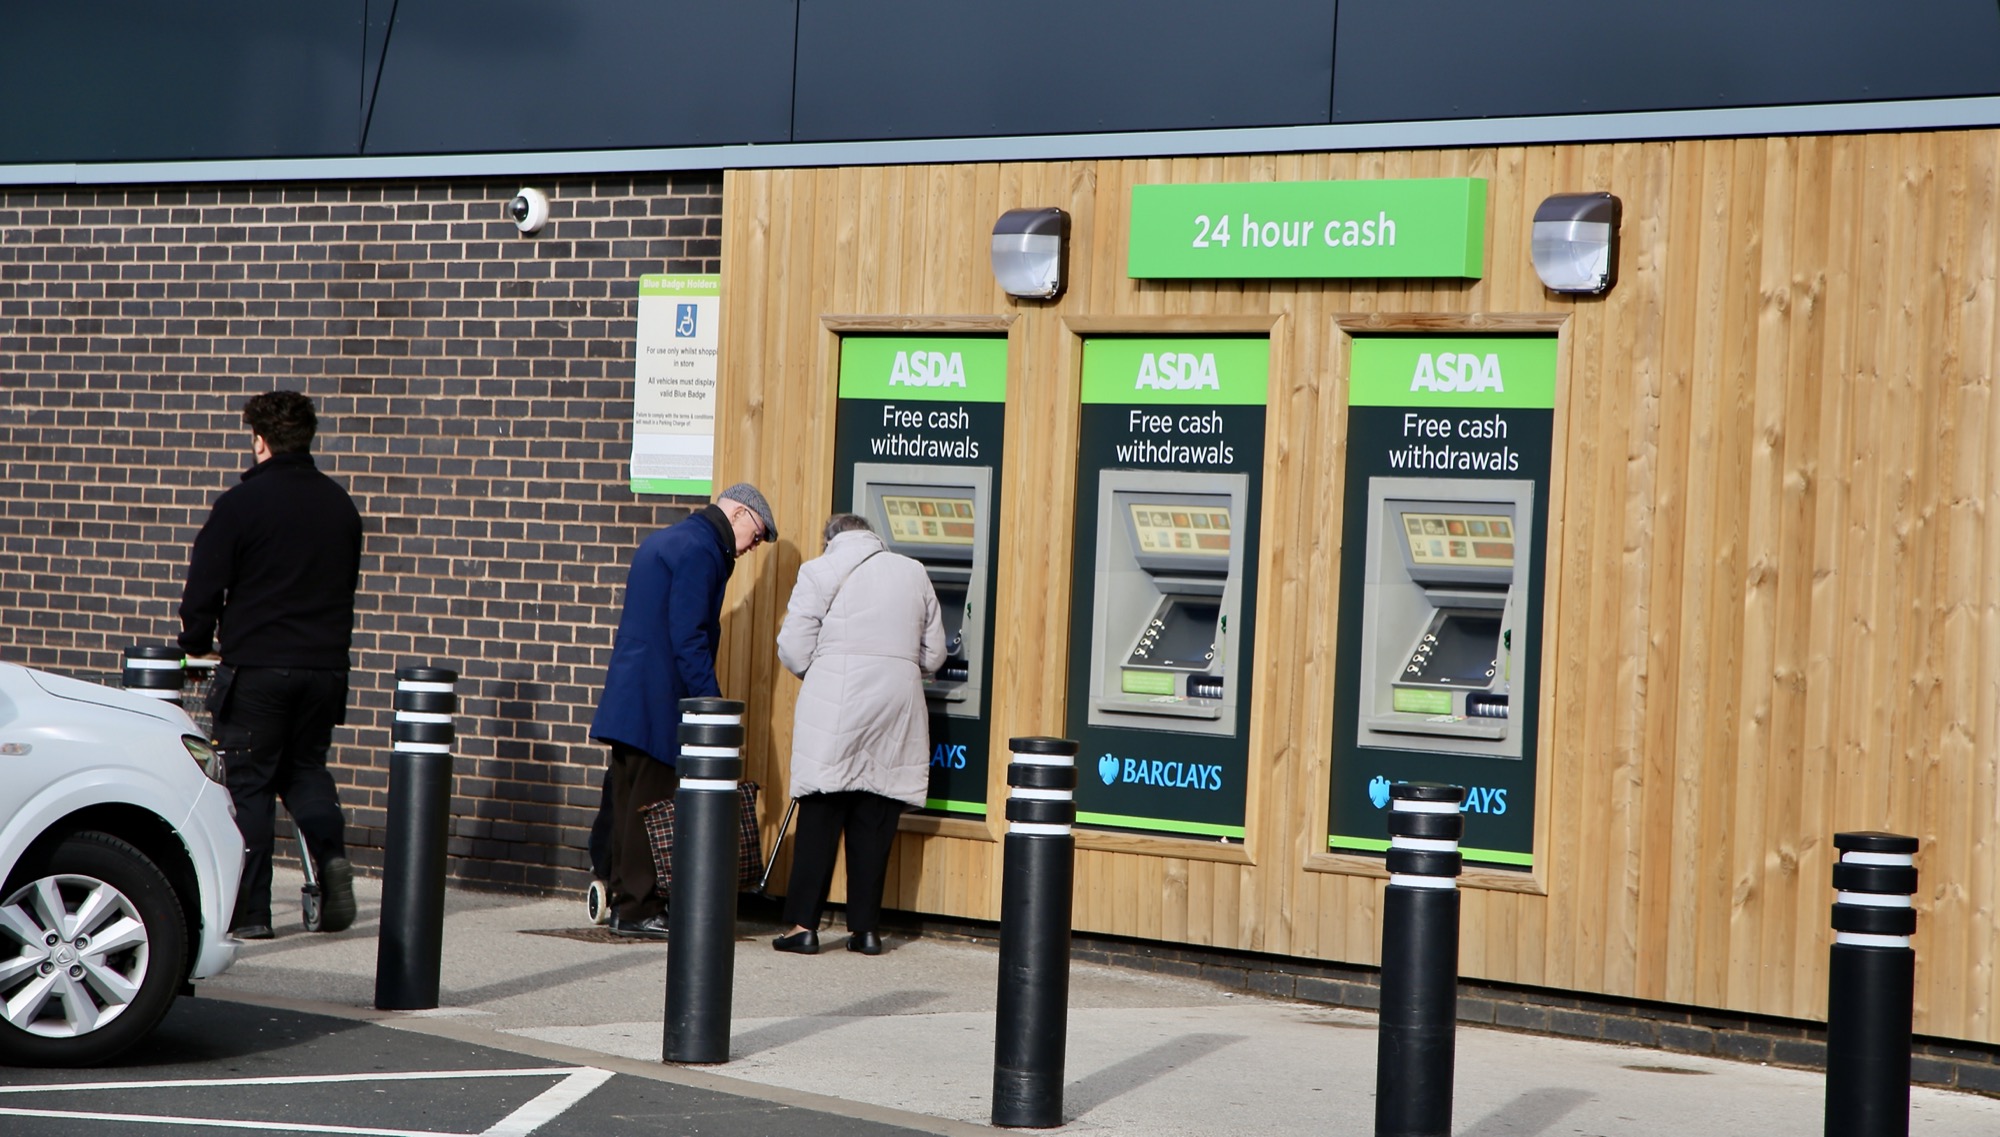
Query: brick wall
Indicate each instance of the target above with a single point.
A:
(474, 389)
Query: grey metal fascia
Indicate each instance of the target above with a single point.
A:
(1825, 118)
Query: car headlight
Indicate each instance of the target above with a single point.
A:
(204, 756)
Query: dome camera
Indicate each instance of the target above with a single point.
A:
(529, 210)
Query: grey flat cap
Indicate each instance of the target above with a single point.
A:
(748, 494)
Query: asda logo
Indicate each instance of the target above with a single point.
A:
(927, 369)
(1177, 371)
(1460, 371)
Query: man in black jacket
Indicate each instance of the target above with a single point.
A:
(273, 571)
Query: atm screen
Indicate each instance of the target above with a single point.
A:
(928, 519)
(1460, 540)
(1181, 529)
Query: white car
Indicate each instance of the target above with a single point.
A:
(119, 861)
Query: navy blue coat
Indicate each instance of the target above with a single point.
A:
(667, 634)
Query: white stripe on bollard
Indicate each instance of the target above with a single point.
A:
(707, 784)
(1856, 857)
(1871, 900)
(1044, 795)
(710, 751)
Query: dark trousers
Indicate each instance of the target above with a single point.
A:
(637, 781)
(869, 821)
(274, 729)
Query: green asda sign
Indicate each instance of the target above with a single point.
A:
(1197, 372)
(969, 369)
(1453, 371)
(1420, 227)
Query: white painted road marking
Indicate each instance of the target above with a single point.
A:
(577, 1083)
(549, 1105)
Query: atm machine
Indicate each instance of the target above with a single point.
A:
(940, 515)
(1168, 601)
(1444, 614)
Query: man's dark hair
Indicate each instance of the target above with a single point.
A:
(283, 419)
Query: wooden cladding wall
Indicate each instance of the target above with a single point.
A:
(1774, 591)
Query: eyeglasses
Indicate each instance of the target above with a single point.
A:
(757, 534)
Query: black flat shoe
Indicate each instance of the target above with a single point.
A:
(867, 943)
(799, 943)
(650, 928)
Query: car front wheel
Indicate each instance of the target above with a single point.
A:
(92, 950)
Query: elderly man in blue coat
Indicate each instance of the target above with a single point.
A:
(665, 652)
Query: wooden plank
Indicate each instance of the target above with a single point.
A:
(1772, 599)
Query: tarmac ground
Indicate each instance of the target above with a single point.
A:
(904, 1040)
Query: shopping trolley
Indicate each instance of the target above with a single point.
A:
(197, 680)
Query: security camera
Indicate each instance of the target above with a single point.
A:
(529, 209)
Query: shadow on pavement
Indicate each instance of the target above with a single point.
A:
(787, 1031)
(1093, 1090)
(1536, 1111)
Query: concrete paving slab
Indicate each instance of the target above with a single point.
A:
(911, 1033)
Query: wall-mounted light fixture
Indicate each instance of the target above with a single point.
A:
(529, 210)
(1030, 247)
(1575, 242)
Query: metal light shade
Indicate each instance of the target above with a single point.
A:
(1028, 252)
(1575, 242)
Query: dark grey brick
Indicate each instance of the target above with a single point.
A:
(409, 312)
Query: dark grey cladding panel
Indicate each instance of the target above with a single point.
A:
(951, 68)
(140, 80)
(1444, 59)
(499, 75)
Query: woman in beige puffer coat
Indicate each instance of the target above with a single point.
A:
(863, 629)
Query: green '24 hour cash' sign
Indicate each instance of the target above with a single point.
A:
(1418, 227)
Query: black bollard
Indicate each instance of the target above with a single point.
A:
(154, 671)
(1871, 986)
(701, 902)
(1038, 876)
(409, 953)
(1414, 1050)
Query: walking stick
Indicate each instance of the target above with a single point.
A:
(776, 843)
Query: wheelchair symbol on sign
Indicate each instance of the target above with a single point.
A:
(683, 321)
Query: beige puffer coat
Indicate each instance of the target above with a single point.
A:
(863, 648)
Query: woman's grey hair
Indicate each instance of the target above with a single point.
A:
(846, 523)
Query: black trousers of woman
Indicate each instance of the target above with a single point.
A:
(869, 822)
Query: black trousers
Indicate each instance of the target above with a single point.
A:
(637, 781)
(869, 821)
(274, 729)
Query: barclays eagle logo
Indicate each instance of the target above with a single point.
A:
(1107, 769)
(1378, 791)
